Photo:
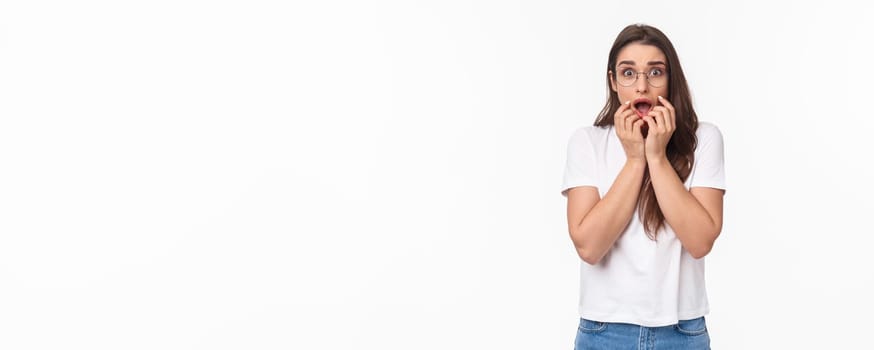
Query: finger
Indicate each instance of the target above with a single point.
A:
(628, 118)
(637, 127)
(663, 121)
(667, 119)
(672, 113)
(666, 103)
(627, 122)
(653, 114)
(660, 115)
(623, 107)
(619, 115)
(620, 126)
(670, 122)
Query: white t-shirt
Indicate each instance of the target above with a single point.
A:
(641, 281)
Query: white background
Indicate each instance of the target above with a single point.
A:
(385, 175)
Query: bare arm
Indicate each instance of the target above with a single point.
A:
(594, 223)
(695, 215)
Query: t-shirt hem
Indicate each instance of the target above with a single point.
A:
(660, 322)
(577, 184)
(719, 186)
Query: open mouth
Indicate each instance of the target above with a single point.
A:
(642, 106)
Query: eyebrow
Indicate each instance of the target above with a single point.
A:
(651, 63)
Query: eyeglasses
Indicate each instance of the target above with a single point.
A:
(656, 77)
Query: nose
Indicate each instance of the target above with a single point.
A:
(641, 84)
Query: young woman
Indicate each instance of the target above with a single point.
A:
(644, 190)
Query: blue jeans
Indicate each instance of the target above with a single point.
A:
(686, 334)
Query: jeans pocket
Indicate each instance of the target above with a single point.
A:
(695, 326)
(589, 326)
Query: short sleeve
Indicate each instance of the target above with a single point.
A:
(709, 167)
(580, 167)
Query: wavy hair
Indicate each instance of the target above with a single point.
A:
(681, 148)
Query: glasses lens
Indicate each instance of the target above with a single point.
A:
(657, 78)
(626, 78)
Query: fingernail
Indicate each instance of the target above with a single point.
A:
(660, 97)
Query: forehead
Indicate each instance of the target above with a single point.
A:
(640, 54)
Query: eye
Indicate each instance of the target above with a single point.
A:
(656, 72)
(627, 72)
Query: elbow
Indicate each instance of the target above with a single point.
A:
(589, 257)
(701, 242)
(587, 248)
(701, 249)
(700, 252)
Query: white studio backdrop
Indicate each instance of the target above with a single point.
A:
(385, 175)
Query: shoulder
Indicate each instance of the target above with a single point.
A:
(708, 129)
(707, 132)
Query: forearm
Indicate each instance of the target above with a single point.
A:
(599, 229)
(691, 222)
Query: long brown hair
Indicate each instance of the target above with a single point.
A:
(681, 148)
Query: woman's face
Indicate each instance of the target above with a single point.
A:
(640, 76)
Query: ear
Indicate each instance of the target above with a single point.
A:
(612, 81)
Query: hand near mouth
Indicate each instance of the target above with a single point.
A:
(628, 129)
(661, 122)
